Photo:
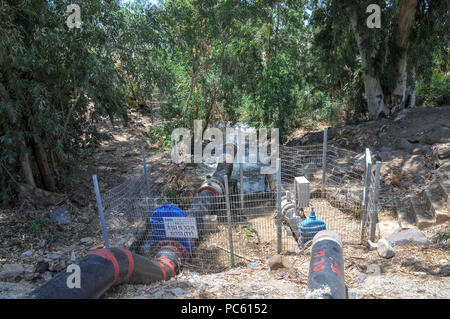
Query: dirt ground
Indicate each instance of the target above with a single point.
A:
(413, 273)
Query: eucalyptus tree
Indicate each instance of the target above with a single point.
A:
(391, 55)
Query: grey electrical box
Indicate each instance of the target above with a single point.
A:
(301, 188)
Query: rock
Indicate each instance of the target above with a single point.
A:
(61, 216)
(412, 236)
(385, 249)
(11, 272)
(57, 265)
(445, 271)
(86, 240)
(437, 135)
(278, 261)
(444, 154)
(373, 269)
(384, 156)
(41, 267)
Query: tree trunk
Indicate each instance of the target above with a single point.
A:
(24, 160)
(398, 98)
(39, 150)
(379, 98)
(372, 85)
(44, 169)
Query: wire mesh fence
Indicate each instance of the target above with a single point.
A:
(220, 230)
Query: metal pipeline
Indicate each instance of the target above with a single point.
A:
(212, 189)
(104, 268)
(289, 213)
(326, 270)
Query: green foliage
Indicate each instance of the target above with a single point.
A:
(44, 228)
(267, 63)
(434, 92)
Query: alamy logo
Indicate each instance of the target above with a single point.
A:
(374, 20)
(213, 151)
(74, 19)
(73, 280)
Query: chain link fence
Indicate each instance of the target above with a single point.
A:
(220, 230)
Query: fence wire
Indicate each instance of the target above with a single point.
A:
(252, 221)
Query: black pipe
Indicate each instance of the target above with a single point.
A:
(104, 268)
(326, 270)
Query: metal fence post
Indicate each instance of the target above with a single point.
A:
(241, 182)
(374, 212)
(230, 229)
(278, 185)
(147, 182)
(366, 191)
(324, 159)
(100, 211)
(175, 151)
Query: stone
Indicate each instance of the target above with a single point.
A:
(405, 145)
(412, 236)
(373, 269)
(444, 154)
(279, 261)
(385, 249)
(437, 135)
(61, 216)
(57, 265)
(384, 156)
(445, 271)
(86, 240)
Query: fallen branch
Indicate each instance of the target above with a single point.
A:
(237, 255)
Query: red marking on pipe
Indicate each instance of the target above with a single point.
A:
(209, 189)
(166, 261)
(319, 267)
(163, 269)
(130, 262)
(319, 253)
(105, 253)
(319, 262)
(334, 269)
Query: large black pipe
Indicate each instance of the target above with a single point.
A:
(104, 268)
(326, 269)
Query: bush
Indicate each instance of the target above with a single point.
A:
(435, 91)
